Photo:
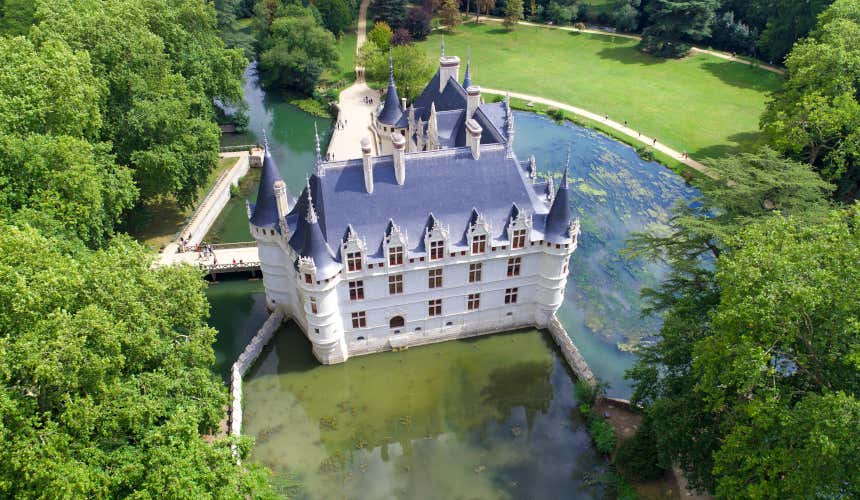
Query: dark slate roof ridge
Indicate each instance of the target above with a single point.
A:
(265, 210)
(488, 126)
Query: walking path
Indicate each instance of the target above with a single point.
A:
(355, 106)
(715, 53)
(633, 134)
(205, 214)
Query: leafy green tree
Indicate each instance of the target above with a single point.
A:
(106, 377)
(513, 13)
(297, 51)
(380, 35)
(392, 12)
(815, 116)
(485, 6)
(449, 13)
(418, 23)
(412, 68)
(69, 181)
(788, 21)
(47, 90)
(676, 22)
(626, 17)
(16, 16)
(750, 188)
(337, 15)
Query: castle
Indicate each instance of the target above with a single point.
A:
(444, 235)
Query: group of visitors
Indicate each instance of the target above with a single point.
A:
(368, 100)
(340, 124)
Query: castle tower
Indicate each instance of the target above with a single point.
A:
(265, 218)
(560, 236)
(318, 277)
(391, 110)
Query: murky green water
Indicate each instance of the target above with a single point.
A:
(487, 418)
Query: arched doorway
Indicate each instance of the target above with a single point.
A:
(396, 322)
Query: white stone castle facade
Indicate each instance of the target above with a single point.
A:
(445, 235)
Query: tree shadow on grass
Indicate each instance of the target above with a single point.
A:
(742, 142)
(629, 55)
(742, 75)
(498, 31)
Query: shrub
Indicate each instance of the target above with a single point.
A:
(418, 23)
(381, 35)
(579, 26)
(586, 393)
(637, 457)
(603, 435)
(646, 153)
(401, 37)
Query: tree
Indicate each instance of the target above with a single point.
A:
(380, 35)
(392, 12)
(815, 116)
(412, 67)
(788, 21)
(336, 14)
(16, 16)
(559, 14)
(750, 188)
(513, 13)
(418, 23)
(161, 65)
(107, 380)
(297, 51)
(483, 5)
(401, 37)
(626, 18)
(449, 13)
(676, 22)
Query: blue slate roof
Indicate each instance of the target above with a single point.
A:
(265, 212)
(558, 219)
(391, 112)
(447, 183)
(467, 78)
(452, 97)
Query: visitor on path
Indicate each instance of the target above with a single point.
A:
(654, 143)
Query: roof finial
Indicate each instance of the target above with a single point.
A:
(467, 78)
(265, 142)
(443, 45)
(566, 169)
(317, 143)
(390, 66)
(311, 217)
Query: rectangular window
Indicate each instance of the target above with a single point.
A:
(519, 240)
(475, 273)
(313, 303)
(434, 307)
(437, 249)
(514, 266)
(511, 295)
(479, 243)
(308, 278)
(474, 301)
(395, 256)
(359, 319)
(356, 290)
(434, 278)
(395, 284)
(353, 261)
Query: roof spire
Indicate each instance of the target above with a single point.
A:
(566, 169)
(265, 142)
(467, 79)
(317, 145)
(391, 111)
(311, 217)
(390, 66)
(443, 45)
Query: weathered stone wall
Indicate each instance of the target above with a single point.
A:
(246, 359)
(569, 351)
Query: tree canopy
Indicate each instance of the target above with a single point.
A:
(412, 67)
(759, 332)
(674, 23)
(107, 381)
(815, 117)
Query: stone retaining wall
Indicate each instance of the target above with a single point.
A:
(246, 359)
(570, 352)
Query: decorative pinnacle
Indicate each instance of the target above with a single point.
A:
(566, 169)
(311, 218)
(317, 143)
(443, 45)
(265, 142)
(390, 66)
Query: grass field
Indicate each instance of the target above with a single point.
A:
(704, 105)
(164, 217)
(346, 48)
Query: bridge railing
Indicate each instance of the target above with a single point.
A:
(229, 246)
(238, 147)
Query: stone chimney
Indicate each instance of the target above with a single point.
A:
(368, 165)
(449, 66)
(473, 139)
(398, 143)
(280, 189)
(473, 100)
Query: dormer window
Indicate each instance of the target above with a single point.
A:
(437, 249)
(395, 255)
(519, 239)
(479, 243)
(353, 261)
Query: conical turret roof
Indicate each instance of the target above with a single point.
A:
(391, 111)
(314, 245)
(265, 211)
(558, 218)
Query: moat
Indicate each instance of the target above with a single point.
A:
(493, 415)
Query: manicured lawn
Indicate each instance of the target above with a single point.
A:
(346, 47)
(702, 104)
(163, 217)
